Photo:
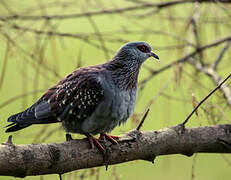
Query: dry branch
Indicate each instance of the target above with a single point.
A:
(216, 78)
(219, 58)
(59, 158)
(186, 58)
(158, 6)
(224, 88)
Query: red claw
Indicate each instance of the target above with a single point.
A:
(93, 141)
(97, 142)
(109, 138)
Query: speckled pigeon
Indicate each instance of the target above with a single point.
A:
(91, 100)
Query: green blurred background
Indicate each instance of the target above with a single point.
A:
(36, 52)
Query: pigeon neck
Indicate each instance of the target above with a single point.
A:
(124, 73)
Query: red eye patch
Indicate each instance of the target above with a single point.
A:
(143, 48)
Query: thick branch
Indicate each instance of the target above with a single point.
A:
(38, 159)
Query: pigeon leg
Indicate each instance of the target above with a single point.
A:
(93, 141)
(110, 138)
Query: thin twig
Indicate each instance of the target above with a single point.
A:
(142, 120)
(218, 60)
(83, 38)
(193, 167)
(204, 99)
(185, 58)
(193, 21)
(216, 78)
(9, 140)
(31, 56)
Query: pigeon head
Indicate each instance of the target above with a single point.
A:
(136, 51)
(125, 65)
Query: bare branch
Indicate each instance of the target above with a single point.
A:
(32, 56)
(142, 120)
(215, 77)
(205, 98)
(186, 58)
(59, 158)
(158, 6)
(193, 21)
(219, 58)
(84, 38)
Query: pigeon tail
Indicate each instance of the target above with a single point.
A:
(15, 127)
(38, 113)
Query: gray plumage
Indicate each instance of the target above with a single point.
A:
(93, 99)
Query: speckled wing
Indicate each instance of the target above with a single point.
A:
(76, 97)
(73, 98)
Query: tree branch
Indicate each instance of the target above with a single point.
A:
(215, 77)
(225, 90)
(158, 6)
(221, 54)
(59, 158)
(186, 58)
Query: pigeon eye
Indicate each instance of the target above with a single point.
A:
(143, 48)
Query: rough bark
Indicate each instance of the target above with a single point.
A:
(58, 158)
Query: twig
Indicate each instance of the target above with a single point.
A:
(193, 21)
(9, 141)
(60, 177)
(204, 99)
(214, 76)
(218, 60)
(82, 37)
(193, 167)
(85, 36)
(32, 56)
(142, 120)
(186, 58)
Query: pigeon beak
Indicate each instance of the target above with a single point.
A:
(154, 55)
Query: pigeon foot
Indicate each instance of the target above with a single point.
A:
(94, 141)
(110, 138)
